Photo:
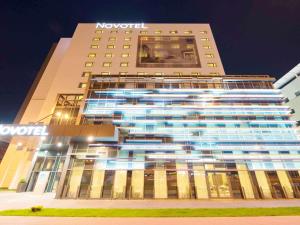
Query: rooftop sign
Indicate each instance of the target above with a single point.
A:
(22, 130)
(121, 25)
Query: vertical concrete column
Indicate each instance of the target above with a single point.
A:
(137, 184)
(75, 178)
(245, 180)
(97, 183)
(119, 187)
(183, 183)
(285, 183)
(160, 183)
(200, 181)
(263, 183)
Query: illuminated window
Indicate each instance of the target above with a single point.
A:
(123, 73)
(112, 38)
(92, 55)
(203, 32)
(174, 38)
(124, 64)
(143, 32)
(86, 74)
(196, 73)
(204, 39)
(82, 85)
(141, 73)
(209, 55)
(106, 64)
(158, 38)
(158, 54)
(177, 73)
(175, 46)
(188, 32)
(110, 46)
(88, 64)
(96, 39)
(125, 55)
(157, 46)
(173, 31)
(126, 46)
(206, 47)
(158, 32)
(94, 46)
(127, 38)
(108, 55)
(189, 46)
(113, 31)
(144, 38)
(128, 31)
(159, 73)
(99, 31)
(105, 73)
(214, 73)
(211, 64)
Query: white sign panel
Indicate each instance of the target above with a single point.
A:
(121, 25)
(22, 130)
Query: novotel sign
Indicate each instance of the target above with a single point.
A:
(22, 130)
(121, 25)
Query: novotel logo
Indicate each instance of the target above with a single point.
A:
(121, 25)
(22, 130)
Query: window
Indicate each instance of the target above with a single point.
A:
(110, 46)
(175, 46)
(159, 73)
(123, 73)
(189, 46)
(105, 73)
(143, 32)
(128, 31)
(209, 55)
(127, 39)
(108, 55)
(88, 64)
(206, 47)
(94, 46)
(86, 74)
(214, 73)
(82, 85)
(204, 39)
(188, 32)
(124, 64)
(126, 46)
(173, 31)
(96, 39)
(92, 55)
(178, 73)
(196, 73)
(203, 32)
(113, 31)
(125, 55)
(112, 38)
(212, 64)
(158, 32)
(141, 73)
(106, 64)
(99, 31)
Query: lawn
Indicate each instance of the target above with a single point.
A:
(211, 212)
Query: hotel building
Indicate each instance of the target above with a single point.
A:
(145, 111)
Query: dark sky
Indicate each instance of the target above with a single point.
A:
(253, 37)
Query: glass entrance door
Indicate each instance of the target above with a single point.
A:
(218, 185)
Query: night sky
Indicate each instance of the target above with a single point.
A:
(253, 37)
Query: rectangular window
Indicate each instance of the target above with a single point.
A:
(86, 74)
(96, 39)
(88, 64)
(123, 73)
(82, 85)
(124, 64)
(214, 73)
(113, 31)
(175, 46)
(158, 32)
(128, 31)
(173, 31)
(188, 32)
(126, 46)
(159, 73)
(127, 39)
(108, 55)
(206, 47)
(110, 46)
(196, 73)
(106, 64)
(143, 32)
(141, 73)
(125, 55)
(112, 38)
(212, 64)
(99, 31)
(209, 55)
(203, 32)
(105, 73)
(178, 73)
(94, 46)
(92, 55)
(204, 39)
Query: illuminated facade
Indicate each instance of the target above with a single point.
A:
(154, 116)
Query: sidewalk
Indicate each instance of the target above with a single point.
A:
(278, 220)
(13, 200)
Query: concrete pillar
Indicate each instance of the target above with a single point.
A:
(75, 178)
(200, 182)
(245, 181)
(119, 187)
(285, 183)
(183, 183)
(97, 183)
(137, 184)
(263, 184)
(160, 184)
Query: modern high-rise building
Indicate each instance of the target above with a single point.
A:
(144, 111)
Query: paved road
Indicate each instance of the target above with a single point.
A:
(289, 220)
(25, 200)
